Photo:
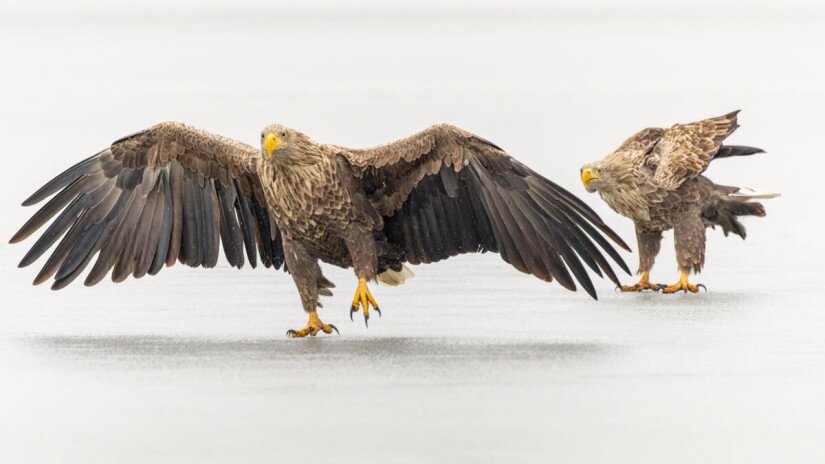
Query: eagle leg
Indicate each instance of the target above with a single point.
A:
(642, 285)
(313, 327)
(364, 299)
(683, 285)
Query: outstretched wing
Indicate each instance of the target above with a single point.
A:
(685, 150)
(445, 191)
(168, 193)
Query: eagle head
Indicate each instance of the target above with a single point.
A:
(612, 173)
(281, 144)
(594, 176)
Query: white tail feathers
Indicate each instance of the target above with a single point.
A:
(393, 278)
(756, 195)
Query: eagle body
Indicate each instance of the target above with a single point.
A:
(306, 202)
(655, 179)
(310, 204)
(173, 193)
(661, 210)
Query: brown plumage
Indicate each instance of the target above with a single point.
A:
(172, 193)
(654, 178)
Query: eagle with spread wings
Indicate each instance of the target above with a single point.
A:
(655, 178)
(173, 193)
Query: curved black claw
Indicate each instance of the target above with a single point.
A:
(335, 329)
(367, 321)
(351, 312)
(702, 286)
(378, 311)
(290, 333)
(660, 288)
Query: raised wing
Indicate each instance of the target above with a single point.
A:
(445, 191)
(166, 194)
(642, 141)
(685, 150)
(640, 144)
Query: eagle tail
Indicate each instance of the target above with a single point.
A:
(749, 194)
(732, 202)
(394, 278)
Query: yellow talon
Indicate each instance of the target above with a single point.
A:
(644, 284)
(683, 285)
(313, 327)
(364, 299)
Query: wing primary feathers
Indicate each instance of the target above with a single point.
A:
(585, 224)
(166, 225)
(87, 243)
(532, 240)
(278, 258)
(230, 229)
(80, 169)
(203, 237)
(418, 246)
(123, 262)
(447, 221)
(189, 225)
(55, 230)
(111, 243)
(507, 249)
(429, 230)
(226, 239)
(584, 247)
(176, 189)
(145, 252)
(247, 225)
(262, 225)
(59, 254)
(463, 215)
(551, 190)
(210, 220)
(482, 223)
(141, 236)
(567, 242)
(81, 256)
(57, 203)
(91, 227)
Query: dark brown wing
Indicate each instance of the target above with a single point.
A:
(168, 193)
(444, 192)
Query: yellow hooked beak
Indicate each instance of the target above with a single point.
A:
(587, 176)
(272, 143)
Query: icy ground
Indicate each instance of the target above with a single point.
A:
(472, 361)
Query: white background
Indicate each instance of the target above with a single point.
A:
(471, 360)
